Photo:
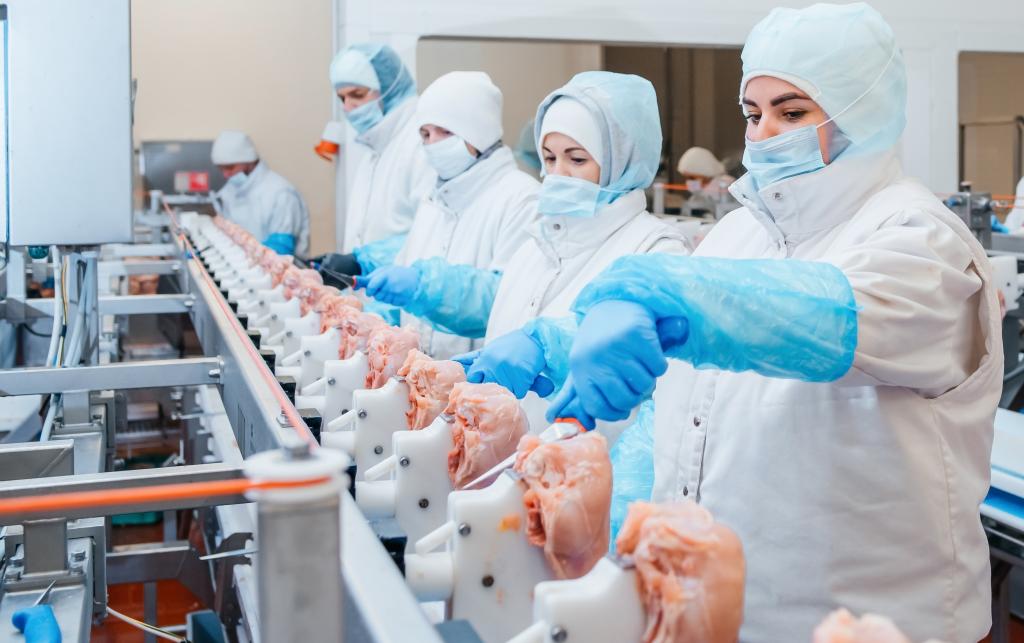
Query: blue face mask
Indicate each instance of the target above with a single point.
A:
(238, 180)
(784, 156)
(449, 157)
(364, 117)
(572, 197)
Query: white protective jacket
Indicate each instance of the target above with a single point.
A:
(563, 255)
(480, 218)
(268, 204)
(390, 179)
(863, 493)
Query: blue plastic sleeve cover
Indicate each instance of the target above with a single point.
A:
(632, 458)
(555, 335)
(776, 317)
(454, 298)
(391, 314)
(281, 243)
(380, 253)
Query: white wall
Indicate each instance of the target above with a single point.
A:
(931, 32)
(550, 65)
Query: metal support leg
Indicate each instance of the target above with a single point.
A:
(149, 609)
(46, 545)
(1000, 601)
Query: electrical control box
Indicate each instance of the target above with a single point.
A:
(65, 122)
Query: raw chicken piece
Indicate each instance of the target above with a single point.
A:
(488, 424)
(302, 284)
(843, 627)
(386, 350)
(335, 309)
(430, 384)
(690, 572)
(568, 500)
(278, 267)
(356, 328)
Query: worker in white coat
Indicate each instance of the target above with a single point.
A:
(378, 97)
(259, 199)
(478, 213)
(1015, 220)
(599, 139)
(837, 351)
(706, 179)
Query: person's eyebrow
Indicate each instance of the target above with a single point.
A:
(778, 100)
(574, 149)
(747, 101)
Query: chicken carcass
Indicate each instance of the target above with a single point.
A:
(335, 310)
(843, 627)
(690, 572)
(356, 328)
(488, 423)
(277, 268)
(430, 384)
(386, 350)
(568, 500)
(304, 284)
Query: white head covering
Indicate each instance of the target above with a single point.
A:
(467, 104)
(232, 146)
(352, 68)
(569, 116)
(700, 162)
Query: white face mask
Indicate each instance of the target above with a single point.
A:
(238, 180)
(449, 157)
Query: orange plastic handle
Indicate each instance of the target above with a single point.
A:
(568, 420)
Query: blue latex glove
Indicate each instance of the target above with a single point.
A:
(393, 285)
(616, 358)
(38, 624)
(514, 360)
(997, 226)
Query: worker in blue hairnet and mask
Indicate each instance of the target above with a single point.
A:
(832, 349)
(378, 99)
(259, 199)
(476, 217)
(599, 140)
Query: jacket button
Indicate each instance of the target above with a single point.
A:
(777, 196)
(686, 491)
(557, 226)
(696, 420)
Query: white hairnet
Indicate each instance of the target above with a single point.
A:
(465, 103)
(699, 161)
(393, 80)
(570, 117)
(845, 58)
(232, 146)
(626, 108)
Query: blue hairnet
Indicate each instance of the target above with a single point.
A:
(454, 298)
(632, 458)
(626, 107)
(526, 149)
(846, 59)
(396, 83)
(776, 317)
(380, 253)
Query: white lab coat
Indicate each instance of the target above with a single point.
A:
(391, 177)
(562, 256)
(479, 218)
(863, 493)
(267, 204)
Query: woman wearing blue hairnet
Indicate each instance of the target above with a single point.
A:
(599, 138)
(378, 98)
(836, 344)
